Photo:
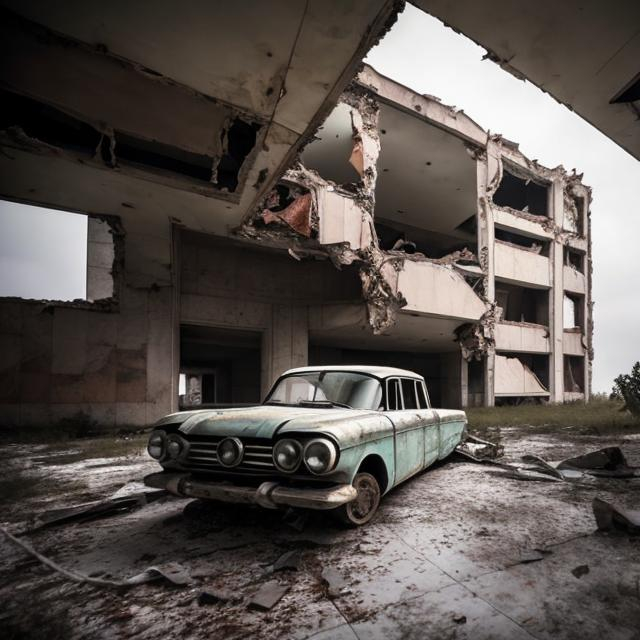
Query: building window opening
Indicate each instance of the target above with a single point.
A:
(574, 259)
(54, 255)
(572, 316)
(574, 374)
(523, 304)
(522, 194)
(534, 245)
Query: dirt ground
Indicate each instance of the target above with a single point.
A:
(442, 559)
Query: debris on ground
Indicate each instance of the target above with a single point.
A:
(580, 570)
(479, 450)
(334, 580)
(173, 572)
(610, 517)
(531, 555)
(288, 560)
(214, 597)
(98, 509)
(608, 463)
(268, 595)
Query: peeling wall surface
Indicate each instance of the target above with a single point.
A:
(401, 230)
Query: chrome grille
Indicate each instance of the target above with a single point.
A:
(257, 458)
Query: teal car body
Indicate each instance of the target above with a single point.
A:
(394, 438)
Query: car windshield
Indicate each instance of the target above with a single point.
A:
(328, 388)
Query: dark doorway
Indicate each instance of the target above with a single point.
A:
(218, 367)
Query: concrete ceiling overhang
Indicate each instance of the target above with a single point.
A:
(281, 65)
(426, 177)
(584, 53)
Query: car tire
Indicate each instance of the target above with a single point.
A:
(360, 510)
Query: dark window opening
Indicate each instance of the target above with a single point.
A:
(393, 395)
(579, 204)
(574, 374)
(629, 93)
(409, 394)
(573, 312)
(574, 259)
(521, 194)
(423, 403)
(47, 124)
(161, 156)
(523, 304)
(475, 382)
(218, 367)
(534, 245)
(241, 138)
(397, 237)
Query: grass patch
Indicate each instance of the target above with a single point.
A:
(597, 416)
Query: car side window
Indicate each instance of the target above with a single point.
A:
(409, 393)
(394, 403)
(423, 403)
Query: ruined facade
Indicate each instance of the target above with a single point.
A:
(401, 232)
(474, 261)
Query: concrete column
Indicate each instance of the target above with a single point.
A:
(488, 171)
(556, 298)
(285, 343)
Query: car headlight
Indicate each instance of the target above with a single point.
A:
(287, 455)
(320, 456)
(230, 452)
(175, 446)
(156, 444)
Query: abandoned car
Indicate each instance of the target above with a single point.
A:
(333, 438)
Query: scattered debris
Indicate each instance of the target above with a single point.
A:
(531, 555)
(288, 560)
(608, 463)
(611, 517)
(94, 510)
(334, 580)
(580, 570)
(296, 215)
(213, 597)
(268, 595)
(477, 449)
(459, 619)
(172, 571)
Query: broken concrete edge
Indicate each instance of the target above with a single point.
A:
(380, 290)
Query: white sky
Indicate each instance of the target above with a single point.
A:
(423, 54)
(43, 253)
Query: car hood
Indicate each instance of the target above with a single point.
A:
(262, 421)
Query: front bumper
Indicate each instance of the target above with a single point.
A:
(269, 494)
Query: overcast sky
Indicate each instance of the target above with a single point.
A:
(43, 253)
(423, 54)
(426, 56)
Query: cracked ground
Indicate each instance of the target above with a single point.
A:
(445, 557)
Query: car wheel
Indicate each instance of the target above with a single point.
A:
(360, 510)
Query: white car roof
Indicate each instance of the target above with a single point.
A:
(378, 372)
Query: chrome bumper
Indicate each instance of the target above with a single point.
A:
(269, 494)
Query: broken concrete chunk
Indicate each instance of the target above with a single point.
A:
(611, 517)
(334, 580)
(580, 570)
(608, 462)
(288, 560)
(213, 597)
(268, 595)
(480, 449)
(172, 571)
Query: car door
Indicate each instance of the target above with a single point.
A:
(431, 422)
(408, 427)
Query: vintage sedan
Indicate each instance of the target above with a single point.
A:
(334, 437)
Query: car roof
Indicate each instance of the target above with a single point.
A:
(372, 370)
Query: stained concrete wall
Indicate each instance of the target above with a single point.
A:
(106, 365)
(240, 286)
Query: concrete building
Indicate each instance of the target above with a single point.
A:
(403, 234)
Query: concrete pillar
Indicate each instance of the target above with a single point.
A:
(285, 343)
(487, 172)
(556, 298)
